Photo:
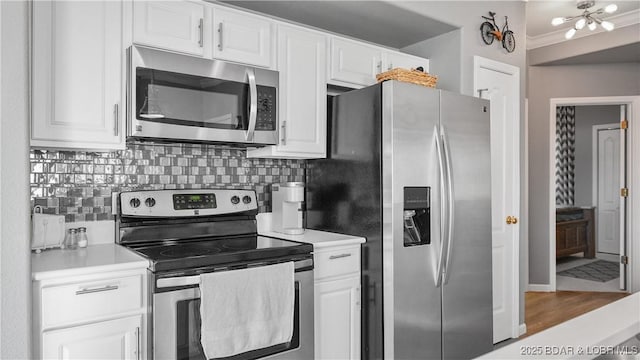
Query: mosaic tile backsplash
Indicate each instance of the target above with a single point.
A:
(79, 184)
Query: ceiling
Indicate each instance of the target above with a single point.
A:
(383, 23)
(375, 21)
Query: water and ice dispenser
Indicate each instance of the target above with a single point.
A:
(417, 216)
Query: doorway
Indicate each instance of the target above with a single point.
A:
(623, 117)
(587, 186)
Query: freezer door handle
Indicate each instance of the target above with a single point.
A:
(450, 202)
(443, 205)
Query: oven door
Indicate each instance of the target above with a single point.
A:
(176, 325)
(175, 96)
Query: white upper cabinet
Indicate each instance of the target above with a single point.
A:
(180, 26)
(77, 74)
(353, 64)
(242, 37)
(392, 60)
(302, 95)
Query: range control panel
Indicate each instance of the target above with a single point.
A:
(177, 203)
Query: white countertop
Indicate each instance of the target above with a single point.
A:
(584, 337)
(94, 258)
(319, 239)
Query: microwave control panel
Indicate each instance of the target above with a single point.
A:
(266, 119)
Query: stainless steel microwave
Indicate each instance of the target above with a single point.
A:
(174, 97)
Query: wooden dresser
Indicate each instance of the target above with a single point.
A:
(575, 231)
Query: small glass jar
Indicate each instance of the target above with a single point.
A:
(71, 239)
(83, 241)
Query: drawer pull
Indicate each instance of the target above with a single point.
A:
(333, 257)
(95, 290)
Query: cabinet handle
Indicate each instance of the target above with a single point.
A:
(116, 120)
(138, 343)
(390, 66)
(283, 133)
(220, 37)
(201, 30)
(95, 290)
(333, 257)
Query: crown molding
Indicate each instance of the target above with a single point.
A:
(556, 37)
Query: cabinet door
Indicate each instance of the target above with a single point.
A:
(337, 319)
(241, 37)
(394, 60)
(77, 74)
(354, 63)
(114, 339)
(302, 96)
(179, 26)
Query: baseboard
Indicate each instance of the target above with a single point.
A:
(523, 329)
(541, 287)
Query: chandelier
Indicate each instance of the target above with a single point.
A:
(587, 18)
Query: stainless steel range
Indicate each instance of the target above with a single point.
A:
(185, 233)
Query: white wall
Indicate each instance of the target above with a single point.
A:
(545, 83)
(586, 118)
(15, 269)
(445, 58)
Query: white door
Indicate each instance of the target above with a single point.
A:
(500, 83)
(114, 339)
(172, 25)
(337, 319)
(623, 197)
(608, 205)
(241, 37)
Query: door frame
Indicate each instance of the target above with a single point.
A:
(594, 167)
(633, 180)
(479, 62)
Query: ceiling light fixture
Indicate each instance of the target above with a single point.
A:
(587, 18)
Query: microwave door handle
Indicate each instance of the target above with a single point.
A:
(253, 107)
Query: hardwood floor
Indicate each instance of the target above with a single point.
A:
(546, 309)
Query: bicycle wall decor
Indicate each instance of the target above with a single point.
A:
(490, 31)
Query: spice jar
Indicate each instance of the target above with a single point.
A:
(71, 239)
(83, 241)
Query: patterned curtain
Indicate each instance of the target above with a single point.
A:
(565, 154)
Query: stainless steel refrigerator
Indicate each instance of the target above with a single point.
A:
(408, 167)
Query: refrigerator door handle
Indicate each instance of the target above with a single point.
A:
(443, 213)
(450, 202)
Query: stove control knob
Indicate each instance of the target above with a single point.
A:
(134, 202)
(246, 199)
(150, 202)
(235, 200)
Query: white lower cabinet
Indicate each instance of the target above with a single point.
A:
(337, 320)
(91, 316)
(115, 339)
(337, 302)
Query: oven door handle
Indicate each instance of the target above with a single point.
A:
(176, 281)
(253, 107)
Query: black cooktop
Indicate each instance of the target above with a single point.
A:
(211, 252)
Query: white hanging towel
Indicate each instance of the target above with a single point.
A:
(246, 309)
